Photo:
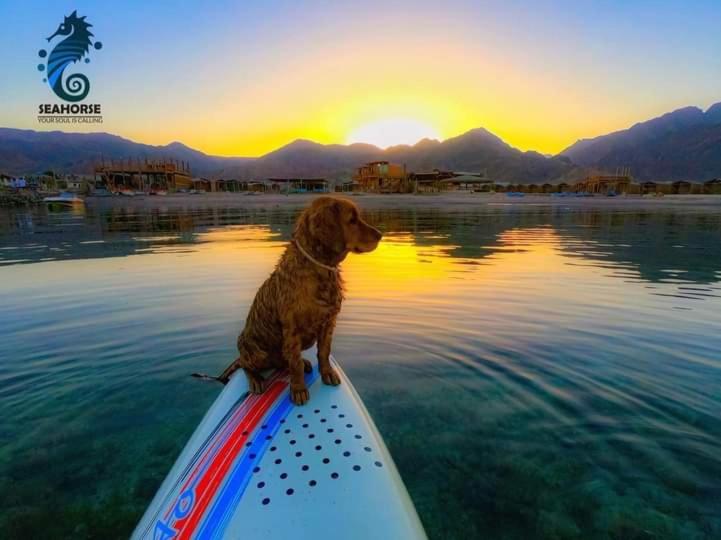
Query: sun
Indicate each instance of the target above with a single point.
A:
(391, 131)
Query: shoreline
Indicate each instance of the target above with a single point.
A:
(442, 201)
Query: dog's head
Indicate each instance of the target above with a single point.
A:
(332, 227)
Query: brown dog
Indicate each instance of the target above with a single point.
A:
(298, 304)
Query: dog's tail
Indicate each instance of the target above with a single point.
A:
(223, 377)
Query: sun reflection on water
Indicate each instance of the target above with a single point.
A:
(506, 357)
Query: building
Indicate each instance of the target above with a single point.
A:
(220, 185)
(12, 182)
(680, 187)
(439, 180)
(649, 187)
(230, 185)
(466, 182)
(605, 184)
(425, 182)
(298, 185)
(382, 177)
(203, 184)
(348, 186)
(145, 176)
(712, 186)
(73, 182)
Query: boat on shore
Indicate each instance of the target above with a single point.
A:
(64, 199)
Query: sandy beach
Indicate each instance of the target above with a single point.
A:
(443, 201)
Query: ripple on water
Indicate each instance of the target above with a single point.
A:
(536, 373)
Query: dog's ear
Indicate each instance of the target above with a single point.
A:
(325, 228)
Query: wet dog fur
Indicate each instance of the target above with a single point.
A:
(298, 304)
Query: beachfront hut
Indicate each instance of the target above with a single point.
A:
(143, 175)
(428, 181)
(712, 187)
(382, 177)
(231, 185)
(680, 187)
(202, 184)
(579, 187)
(501, 187)
(649, 187)
(605, 184)
(466, 182)
(563, 187)
(299, 185)
(257, 187)
(546, 188)
(533, 188)
(348, 186)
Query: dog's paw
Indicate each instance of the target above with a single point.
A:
(299, 395)
(256, 384)
(330, 376)
(307, 366)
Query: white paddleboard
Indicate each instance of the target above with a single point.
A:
(260, 467)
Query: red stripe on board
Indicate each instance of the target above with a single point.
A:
(218, 469)
(244, 409)
(219, 437)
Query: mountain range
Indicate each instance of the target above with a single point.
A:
(681, 145)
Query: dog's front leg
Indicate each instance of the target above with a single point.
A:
(327, 373)
(292, 354)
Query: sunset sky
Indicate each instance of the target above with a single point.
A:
(244, 78)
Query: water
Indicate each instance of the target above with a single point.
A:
(537, 372)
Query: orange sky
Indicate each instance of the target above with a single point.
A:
(244, 78)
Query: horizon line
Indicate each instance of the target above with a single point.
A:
(357, 143)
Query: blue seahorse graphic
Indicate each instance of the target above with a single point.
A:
(70, 50)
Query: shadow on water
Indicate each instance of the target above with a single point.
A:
(536, 372)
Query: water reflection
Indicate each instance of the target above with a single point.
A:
(536, 373)
(657, 247)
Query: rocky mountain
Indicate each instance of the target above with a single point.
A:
(681, 145)
(25, 151)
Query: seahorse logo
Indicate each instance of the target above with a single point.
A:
(70, 50)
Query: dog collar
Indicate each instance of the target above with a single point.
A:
(313, 259)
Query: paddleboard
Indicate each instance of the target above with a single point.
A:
(260, 467)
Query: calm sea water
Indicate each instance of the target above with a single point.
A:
(536, 372)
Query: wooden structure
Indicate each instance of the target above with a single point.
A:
(382, 177)
(146, 176)
(257, 187)
(298, 185)
(438, 180)
(424, 182)
(466, 182)
(712, 186)
(203, 184)
(605, 184)
(349, 186)
(230, 185)
(680, 187)
(649, 187)
(227, 185)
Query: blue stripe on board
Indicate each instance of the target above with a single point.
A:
(194, 460)
(232, 491)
